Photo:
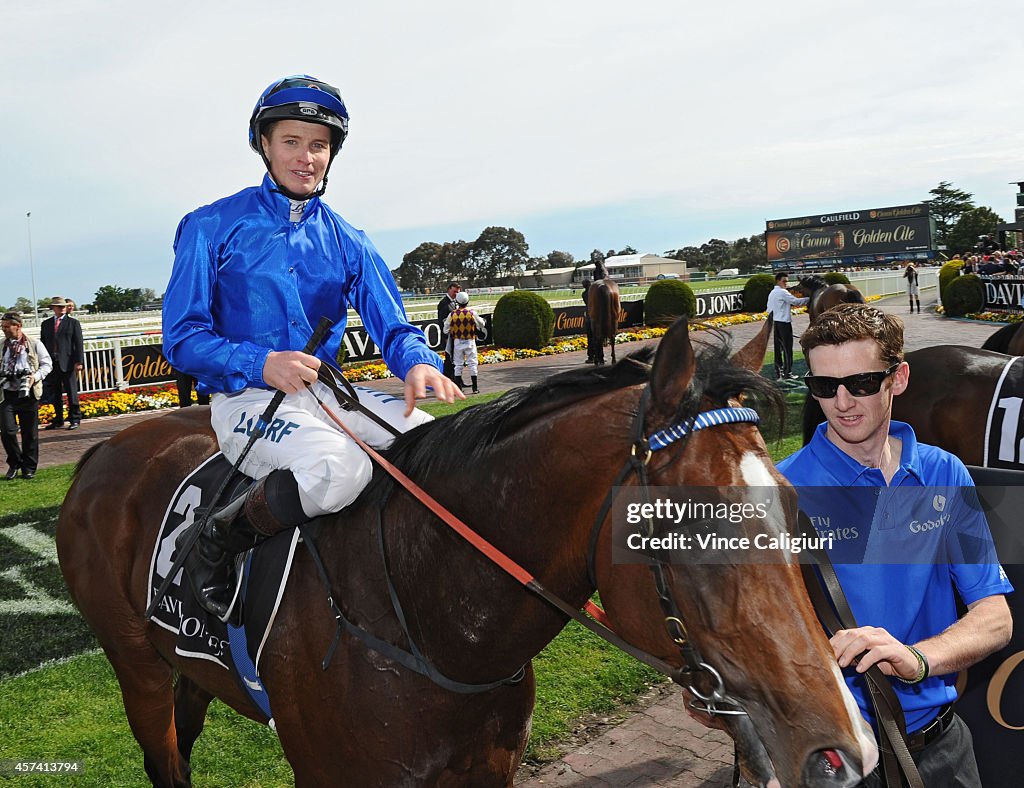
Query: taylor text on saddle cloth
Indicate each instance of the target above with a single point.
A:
(252, 274)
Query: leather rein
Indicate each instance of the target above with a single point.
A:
(642, 450)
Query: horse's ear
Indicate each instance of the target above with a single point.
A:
(673, 369)
(751, 355)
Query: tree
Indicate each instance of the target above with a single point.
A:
(557, 259)
(111, 298)
(692, 256)
(24, 305)
(453, 262)
(716, 252)
(500, 252)
(946, 207)
(747, 254)
(972, 223)
(627, 250)
(416, 265)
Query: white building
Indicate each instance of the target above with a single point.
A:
(623, 267)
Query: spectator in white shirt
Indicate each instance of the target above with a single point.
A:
(780, 302)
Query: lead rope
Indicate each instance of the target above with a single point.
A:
(888, 710)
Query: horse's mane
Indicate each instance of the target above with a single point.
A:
(452, 441)
(813, 282)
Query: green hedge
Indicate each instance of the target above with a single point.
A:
(523, 320)
(836, 278)
(667, 300)
(948, 273)
(755, 292)
(964, 295)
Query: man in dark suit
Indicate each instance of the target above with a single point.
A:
(61, 335)
(445, 307)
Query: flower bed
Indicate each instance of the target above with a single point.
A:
(113, 403)
(989, 317)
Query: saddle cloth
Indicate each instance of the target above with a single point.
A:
(1004, 429)
(263, 579)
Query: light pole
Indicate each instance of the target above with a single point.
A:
(32, 268)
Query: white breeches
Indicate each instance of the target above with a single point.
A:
(465, 355)
(330, 469)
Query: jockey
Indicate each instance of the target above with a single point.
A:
(461, 325)
(253, 273)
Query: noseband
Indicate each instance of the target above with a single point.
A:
(717, 701)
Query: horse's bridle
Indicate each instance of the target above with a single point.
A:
(717, 701)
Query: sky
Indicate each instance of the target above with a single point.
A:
(654, 124)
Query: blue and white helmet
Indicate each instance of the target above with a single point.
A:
(305, 98)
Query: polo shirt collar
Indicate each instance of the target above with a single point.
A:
(847, 472)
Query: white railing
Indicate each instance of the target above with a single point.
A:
(103, 362)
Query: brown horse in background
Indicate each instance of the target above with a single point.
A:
(603, 313)
(540, 462)
(1009, 340)
(825, 296)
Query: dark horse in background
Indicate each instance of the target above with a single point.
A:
(540, 462)
(603, 312)
(825, 296)
(1009, 340)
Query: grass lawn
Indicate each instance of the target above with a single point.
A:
(72, 710)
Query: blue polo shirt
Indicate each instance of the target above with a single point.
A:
(939, 531)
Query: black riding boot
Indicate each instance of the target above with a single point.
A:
(460, 382)
(239, 526)
(476, 390)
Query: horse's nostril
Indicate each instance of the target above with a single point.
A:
(830, 769)
(833, 759)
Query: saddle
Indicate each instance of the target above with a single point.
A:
(236, 645)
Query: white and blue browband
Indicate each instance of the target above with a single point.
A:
(709, 418)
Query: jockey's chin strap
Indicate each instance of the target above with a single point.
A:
(716, 701)
(599, 625)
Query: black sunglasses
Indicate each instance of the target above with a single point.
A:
(863, 384)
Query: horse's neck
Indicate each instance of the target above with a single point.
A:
(535, 498)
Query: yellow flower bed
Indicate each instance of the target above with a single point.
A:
(113, 403)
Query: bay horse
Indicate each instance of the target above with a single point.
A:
(825, 296)
(1009, 340)
(946, 401)
(603, 311)
(538, 464)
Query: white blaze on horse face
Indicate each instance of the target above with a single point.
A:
(757, 474)
(865, 738)
(755, 471)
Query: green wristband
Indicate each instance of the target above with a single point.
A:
(923, 669)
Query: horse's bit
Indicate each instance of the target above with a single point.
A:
(717, 701)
